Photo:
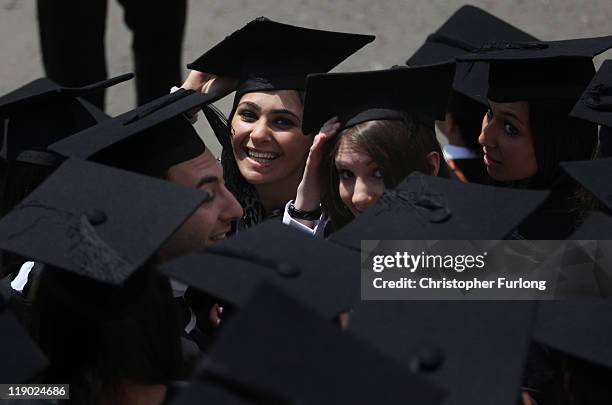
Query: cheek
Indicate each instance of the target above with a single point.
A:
(293, 144)
(240, 131)
(346, 193)
(519, 149)
(201, 223)
(376, 190)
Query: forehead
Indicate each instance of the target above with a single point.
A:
(193, 170)
(520, 108)
(350, 154)
(272, 100)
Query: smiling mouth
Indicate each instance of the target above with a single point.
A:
(261, 157)
(219, 236)
(489, 160)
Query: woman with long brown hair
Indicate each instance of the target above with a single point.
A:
(385, 133)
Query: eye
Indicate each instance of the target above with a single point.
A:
(489, 113)
(211, 197)
(247, 116)
(284, 123)
(377, 174)
(345, 174)
(510, 129)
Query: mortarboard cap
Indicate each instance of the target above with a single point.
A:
(43, 112)
(22, 360)
(319, 273)
(537, 70)
(595, 104)
(266, 55)
(147, 140)
(594, 175)
(581, 328)
(377, 95)
(465, 31)
(476, 351)
(198, 391)
(425, 207)
(278, 346)
(97, 221)
(597, 226)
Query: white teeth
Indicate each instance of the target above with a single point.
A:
(218, 237)
(261, 155)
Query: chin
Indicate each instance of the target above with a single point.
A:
(253, 177)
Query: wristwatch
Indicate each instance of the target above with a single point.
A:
(305, 215)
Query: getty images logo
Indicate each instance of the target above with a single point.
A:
(411, 262)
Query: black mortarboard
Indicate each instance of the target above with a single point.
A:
(147, 140)
(594, 175)
(22, 360)
(477, 351)
(315, 271)
(537, 70)
(582, 328)
(465, 31)
(43, 112)
(97, 221)
(276, 345)
(597, 226)
(432, 208)
(377, 95)
(595, 104)
(204, 392)
(266, 55)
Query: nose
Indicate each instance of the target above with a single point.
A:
(486, 137)
(231, 209)
(363, 196)
(260, 132)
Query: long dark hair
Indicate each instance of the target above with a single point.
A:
(97, 336)
(557, 137)
(399, 147)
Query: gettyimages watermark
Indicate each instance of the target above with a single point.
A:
(485, 270)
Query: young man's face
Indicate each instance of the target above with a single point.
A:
(211, 222)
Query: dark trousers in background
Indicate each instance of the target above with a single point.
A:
(73, 48)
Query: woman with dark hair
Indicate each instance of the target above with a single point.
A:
(527, 130)
(264, 149)
(384, 137)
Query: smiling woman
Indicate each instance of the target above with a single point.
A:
(264, 149)
(269, 146)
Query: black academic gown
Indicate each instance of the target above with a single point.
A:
(473, 170)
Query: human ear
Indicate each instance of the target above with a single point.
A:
(433, 159)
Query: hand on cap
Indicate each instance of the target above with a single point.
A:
(308, 195)
(209, 83)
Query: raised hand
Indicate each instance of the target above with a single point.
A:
(309, 191)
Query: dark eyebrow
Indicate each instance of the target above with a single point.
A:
(285, 111)
(278, 111)
(251, 104)
(207, 180)
(510, 114)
